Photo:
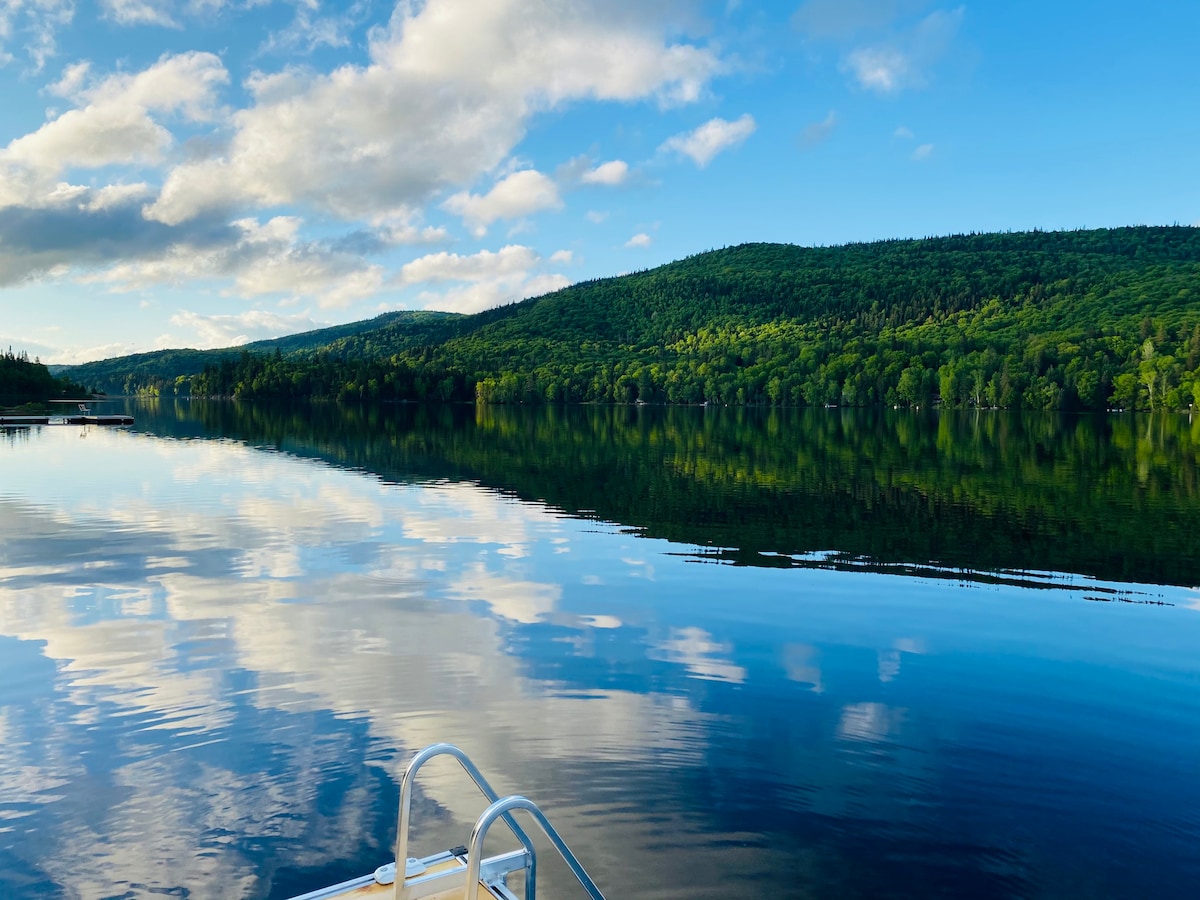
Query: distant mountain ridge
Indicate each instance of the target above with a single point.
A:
(1060, 320)
(128, 374)
(401, 324)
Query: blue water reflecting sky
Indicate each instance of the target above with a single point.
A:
(213, 660)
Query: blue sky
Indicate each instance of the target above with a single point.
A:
(198, 173)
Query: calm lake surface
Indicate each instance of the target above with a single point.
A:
(730, 653)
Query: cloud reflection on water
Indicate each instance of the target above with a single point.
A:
(220, 673)
(170, 607)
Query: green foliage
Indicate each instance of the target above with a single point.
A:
(169, 371)
(144, 373)
(23, 382)
(1115, 497)
(1079, 320)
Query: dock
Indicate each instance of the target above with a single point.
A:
(13, 421)
(84, 416)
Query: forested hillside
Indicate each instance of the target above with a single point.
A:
(25, 382)
(388, 333)
(169, 370)
(1048, 320)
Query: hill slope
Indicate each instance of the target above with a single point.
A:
(25, 382)
(128, 374)
(1081, 319)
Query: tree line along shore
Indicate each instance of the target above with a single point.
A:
(27, 385)
(1077, 320)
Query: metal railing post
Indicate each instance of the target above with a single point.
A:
(403, 817)
(501, 809)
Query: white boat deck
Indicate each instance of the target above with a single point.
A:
(441, 877)
(462, 873)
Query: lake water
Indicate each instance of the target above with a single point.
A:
(730, 653)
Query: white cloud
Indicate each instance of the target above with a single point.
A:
(385, 235)
(413, 234)
(308, 31)
(72, 81)
(595, 216)
(640, 240)
(562, 257)
(115, 195)
(519, 194)
(91, 138)
(613, 173)
(336, 282)
(583, 170)
(261, 259)
(175, 265)
(482, 266)
(883, 69)
(73, 356)
(903, 132)
(113, 123)
(185, 83)
(208, 332)
(711, 138)
(73, 227)
(922, 152)
(33, 346)
(495, 292)
(36, 23)
(816, 132)
(486, 278)
(446, 96)
(139, 12)
(598, 49)
(903, 61)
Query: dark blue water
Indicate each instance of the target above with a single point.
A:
(729, 657)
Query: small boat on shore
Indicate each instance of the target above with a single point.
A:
(460, 873)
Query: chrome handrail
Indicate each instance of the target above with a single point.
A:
(406, 788)
(501, 808)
